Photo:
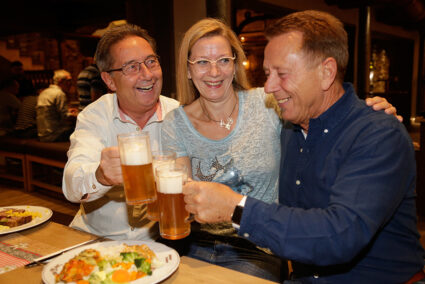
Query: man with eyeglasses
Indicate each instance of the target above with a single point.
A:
(129, 66)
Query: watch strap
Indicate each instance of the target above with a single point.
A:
(237, 213)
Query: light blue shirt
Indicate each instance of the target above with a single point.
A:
(247, 159)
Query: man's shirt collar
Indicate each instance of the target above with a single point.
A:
(119, 113)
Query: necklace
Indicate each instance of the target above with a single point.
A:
(229, 120)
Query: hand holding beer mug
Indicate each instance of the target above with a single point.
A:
(136, 164)
(174, 220)
(159, 158)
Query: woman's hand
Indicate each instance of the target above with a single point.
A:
(379, 103)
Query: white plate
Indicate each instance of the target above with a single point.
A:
(162, 252)
(46, 213)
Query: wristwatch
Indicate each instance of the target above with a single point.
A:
(237, 215)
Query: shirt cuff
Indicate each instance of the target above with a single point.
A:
(94, 189)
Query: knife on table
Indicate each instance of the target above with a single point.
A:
(39, 260)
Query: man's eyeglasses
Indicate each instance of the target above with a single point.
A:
(204, 65)
(132, 68)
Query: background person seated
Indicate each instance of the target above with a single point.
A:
(26, 87)
(54, 122)
(9, 105)
(26, 124)
(90, 85)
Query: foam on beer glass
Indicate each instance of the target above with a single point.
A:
(136, 164)
(173, 217)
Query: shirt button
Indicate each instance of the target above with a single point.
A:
(301, 150)
(297, 182)
(316, 275)
(326, 131)
(93, 186)
(246, 235)
(138, 128)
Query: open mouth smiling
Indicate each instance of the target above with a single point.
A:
(145, 88)
(282, 101)
(213, 84)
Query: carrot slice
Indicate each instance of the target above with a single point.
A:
(121, 276)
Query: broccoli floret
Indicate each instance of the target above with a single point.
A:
(129, 256)
(103, 264)
(143, 265)
(95, 278)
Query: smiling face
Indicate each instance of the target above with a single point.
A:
(136, 93)
(294, 81)
(215, 84)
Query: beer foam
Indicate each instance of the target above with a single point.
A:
(159, 163)
(135, 154)
(171, 182)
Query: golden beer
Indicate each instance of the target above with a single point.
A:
(153, 210)
(173, 222)
(136, 165)
(159, 158)
(173, 217)
(139, 184)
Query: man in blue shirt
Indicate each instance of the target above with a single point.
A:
(346, 211)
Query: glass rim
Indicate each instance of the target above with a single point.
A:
(161, 154)
(175, 167)
(134, 133)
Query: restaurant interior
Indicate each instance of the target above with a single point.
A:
(387, 58)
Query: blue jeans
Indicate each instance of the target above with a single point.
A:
(241, 255)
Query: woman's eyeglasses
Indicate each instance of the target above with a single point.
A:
(204, 65)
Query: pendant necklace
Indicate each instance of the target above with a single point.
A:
(229, 120)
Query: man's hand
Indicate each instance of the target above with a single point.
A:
(109, 170)
(210, 202)
(378, 103)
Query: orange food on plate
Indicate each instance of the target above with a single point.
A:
(74, 270)
(121, 276)
(118, 264)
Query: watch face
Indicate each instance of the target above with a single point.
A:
(237, 215)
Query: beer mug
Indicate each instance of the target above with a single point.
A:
(136, 165)
(159, 158)
(174, 221)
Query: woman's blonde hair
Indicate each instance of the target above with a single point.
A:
(186, 90)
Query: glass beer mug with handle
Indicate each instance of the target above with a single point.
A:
(159, 158)
(174, 220)
(136, 165)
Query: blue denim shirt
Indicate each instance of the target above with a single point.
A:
(346, 199)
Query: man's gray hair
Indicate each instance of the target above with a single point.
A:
(59, 75)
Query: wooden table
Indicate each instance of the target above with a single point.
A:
(50, 237)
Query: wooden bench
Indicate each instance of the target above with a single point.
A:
(11, 148)
(42, 163)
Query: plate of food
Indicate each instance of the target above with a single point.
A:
(18, 218)
(135, 262)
